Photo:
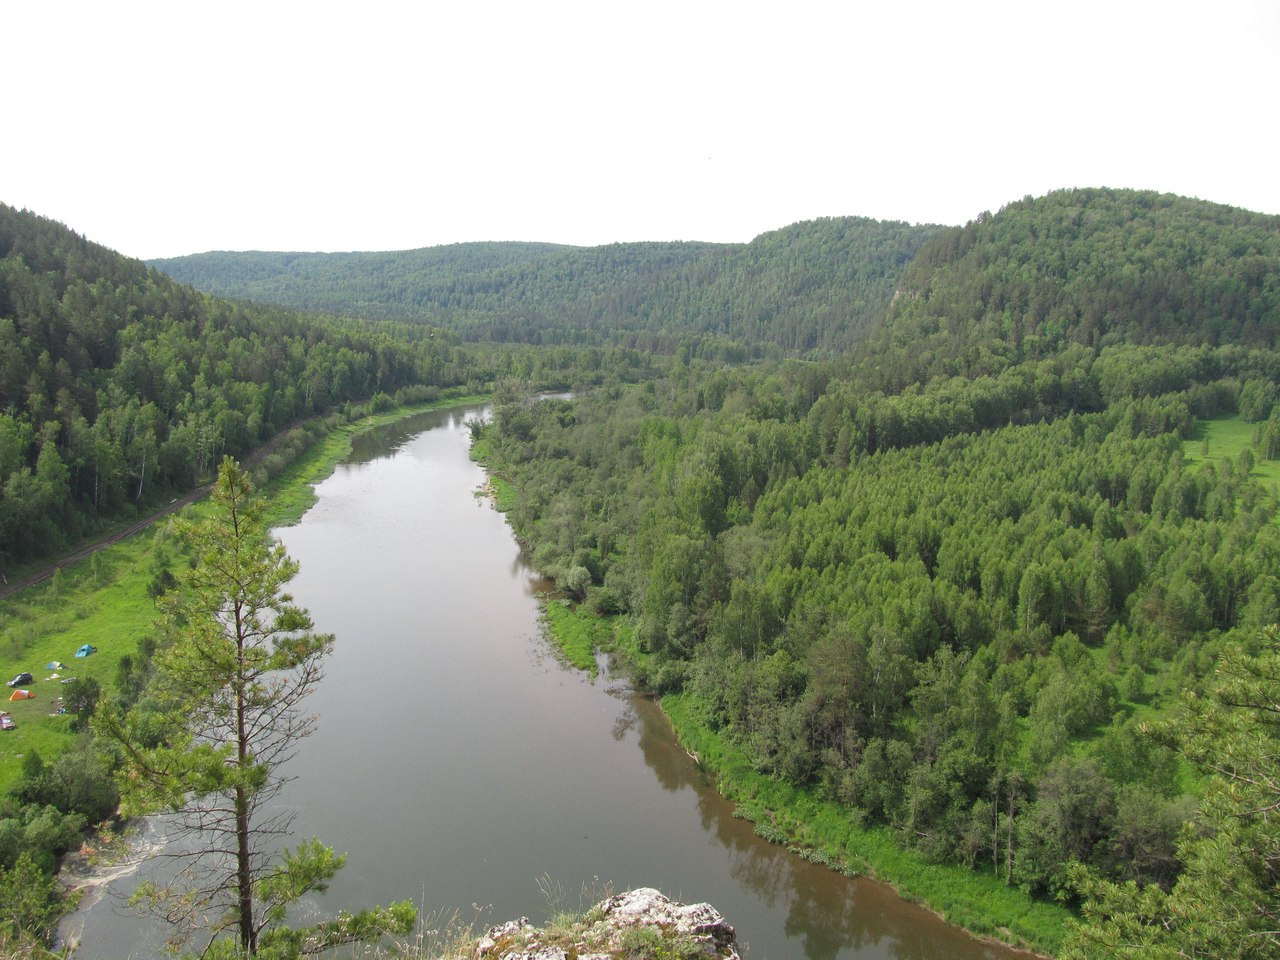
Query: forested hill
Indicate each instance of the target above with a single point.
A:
(813, 287)
(1091, 266)
(120, 387)
(946, 582)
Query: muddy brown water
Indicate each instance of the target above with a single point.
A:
(459, 764)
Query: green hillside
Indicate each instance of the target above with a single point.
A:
(813, 287)
(120, 388)
(1091, 267)
(943, 582)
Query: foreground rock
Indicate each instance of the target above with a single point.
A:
(634, 925)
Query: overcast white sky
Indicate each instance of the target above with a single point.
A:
(175, 127)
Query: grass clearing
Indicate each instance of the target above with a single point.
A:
(101, 600)
(502, 492)
(577, 635)
(1214, 441)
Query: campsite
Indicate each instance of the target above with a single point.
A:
(51, 702)
(41, 636)
(101, 602)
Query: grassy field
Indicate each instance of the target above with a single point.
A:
(1214, 441)
(502, 492)
(578, 635)
(103, 600)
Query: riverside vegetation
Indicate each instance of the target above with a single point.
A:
(939, 578)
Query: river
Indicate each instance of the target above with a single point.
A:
(458, 763)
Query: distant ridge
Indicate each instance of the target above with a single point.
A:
(813, 287)
(1096, 267)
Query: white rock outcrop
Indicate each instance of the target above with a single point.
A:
(620, 926)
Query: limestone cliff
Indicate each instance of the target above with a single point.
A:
(637, 925)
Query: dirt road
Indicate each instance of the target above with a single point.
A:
(9, 587)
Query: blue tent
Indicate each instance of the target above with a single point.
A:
(87, 649)
(55, 665)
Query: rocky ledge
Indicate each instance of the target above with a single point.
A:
(636, 925)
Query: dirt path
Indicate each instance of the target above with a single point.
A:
(9, 587)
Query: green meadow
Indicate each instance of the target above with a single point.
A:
(101, 600)
(1215, 441)
(578, 635)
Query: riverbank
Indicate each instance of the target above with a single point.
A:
(812, 827)
(99, 594)
(292, 494)
(824, 832)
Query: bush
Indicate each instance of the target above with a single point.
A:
(31, 903)
(605, 601)
(417, 393)
(81, 696)
(77, 785)
(575, 581)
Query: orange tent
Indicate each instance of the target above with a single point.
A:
(22, 695)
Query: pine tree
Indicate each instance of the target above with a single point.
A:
(207, 744)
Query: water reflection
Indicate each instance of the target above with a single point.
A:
(388, 439)
(830, 915)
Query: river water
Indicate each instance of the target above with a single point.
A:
(459, 764)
